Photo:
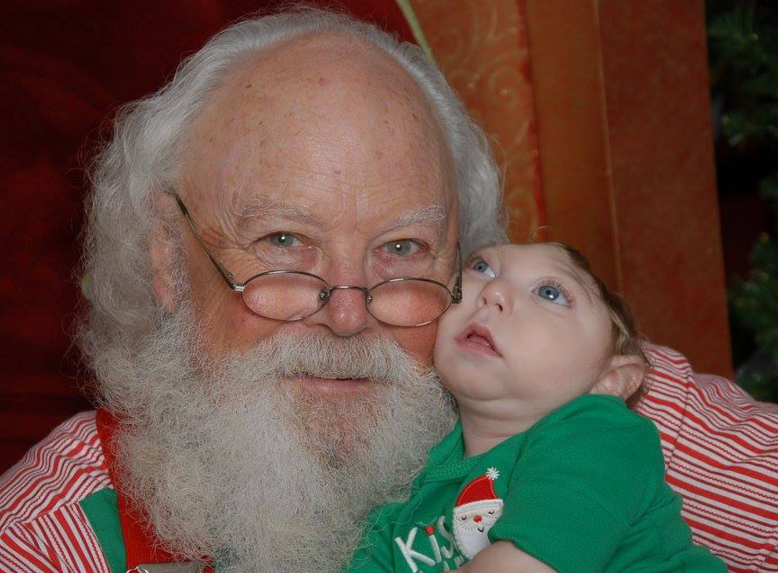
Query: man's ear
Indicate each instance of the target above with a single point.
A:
(621, 377)
(161, 253)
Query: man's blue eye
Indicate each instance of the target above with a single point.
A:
(552, 294)
(283, 239)
(481, 266)
(403, 248)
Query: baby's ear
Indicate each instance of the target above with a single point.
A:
(621, 377)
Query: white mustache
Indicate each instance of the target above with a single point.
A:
(321, 355)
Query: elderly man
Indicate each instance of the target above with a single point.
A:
(271, 239)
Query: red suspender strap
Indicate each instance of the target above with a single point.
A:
(139, 542)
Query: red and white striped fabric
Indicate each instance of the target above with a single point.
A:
(721, 452)
(42, 527)
(720, 446)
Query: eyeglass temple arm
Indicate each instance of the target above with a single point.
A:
(226, 275)
(456, 294)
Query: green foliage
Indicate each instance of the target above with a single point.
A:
(768, 186)
(755, 300)
(743, 46)
(743, 49)
(761, 384)
(754, 304)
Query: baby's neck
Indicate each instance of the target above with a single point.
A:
(484, 428)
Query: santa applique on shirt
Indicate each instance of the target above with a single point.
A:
(477, 509)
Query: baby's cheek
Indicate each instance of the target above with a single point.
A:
(438, 354)
(446, 353)
(445, 359)
(447, 326)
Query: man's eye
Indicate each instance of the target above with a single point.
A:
(481, 266)
(403, 248)
(283, 240)
(553, 294)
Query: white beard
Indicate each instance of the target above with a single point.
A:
(237, 462)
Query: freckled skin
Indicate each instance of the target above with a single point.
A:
(330, 125)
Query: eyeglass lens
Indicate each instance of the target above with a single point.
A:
(293, 296)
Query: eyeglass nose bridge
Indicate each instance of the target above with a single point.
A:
(325, 293)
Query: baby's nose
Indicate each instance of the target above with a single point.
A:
(478, 519)
(494, 295)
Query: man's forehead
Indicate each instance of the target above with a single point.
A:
(290, 71)
(324, 55)
(353, 145)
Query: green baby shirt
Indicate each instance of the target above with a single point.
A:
(582, 490)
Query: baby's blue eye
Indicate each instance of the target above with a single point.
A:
(481, 266)
(552, 294)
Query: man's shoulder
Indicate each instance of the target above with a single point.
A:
(60, 471)
(721, 452)
(682, 403)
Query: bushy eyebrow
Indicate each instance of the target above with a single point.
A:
(429, 215)
(261, 207)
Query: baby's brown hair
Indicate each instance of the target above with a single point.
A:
(625, 331)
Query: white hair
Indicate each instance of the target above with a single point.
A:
(144, 155)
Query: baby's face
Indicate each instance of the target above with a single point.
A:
(531, 327)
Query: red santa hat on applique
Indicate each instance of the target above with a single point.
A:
(480, 489)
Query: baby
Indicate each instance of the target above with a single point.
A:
(548, 470)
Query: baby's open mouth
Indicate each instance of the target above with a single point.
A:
(478, 337)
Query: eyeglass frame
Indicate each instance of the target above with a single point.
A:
(455, 293)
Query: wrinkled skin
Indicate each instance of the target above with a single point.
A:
(321, 157)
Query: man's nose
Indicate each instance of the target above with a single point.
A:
(495, 296)
(345, 313)
(478, 519)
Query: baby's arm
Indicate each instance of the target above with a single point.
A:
(504, 557)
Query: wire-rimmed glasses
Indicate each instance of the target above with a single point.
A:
(289, 295)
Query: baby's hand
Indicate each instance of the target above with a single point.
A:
(504, 557)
